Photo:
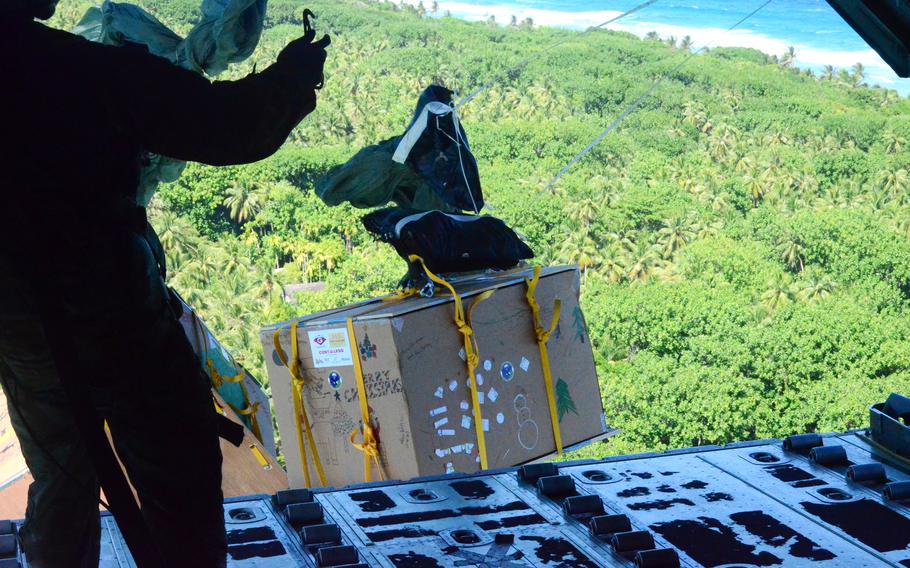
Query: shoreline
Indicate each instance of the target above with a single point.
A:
(812, 57)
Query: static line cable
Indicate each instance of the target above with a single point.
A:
(470, 97)
(637, 103)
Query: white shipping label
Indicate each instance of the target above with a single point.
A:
(445, 432)
(438, 411)
(486, 425)
(440, 423)
(480, 397)
(330, 348)
(466, 422)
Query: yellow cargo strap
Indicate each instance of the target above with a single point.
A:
(401, 295)
(472, 357)
(543, 336)
(300, 415)
(263, 462)
(370, 446)
(251, 410)
(218, 379)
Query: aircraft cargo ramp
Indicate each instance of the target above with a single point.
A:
(833, 500)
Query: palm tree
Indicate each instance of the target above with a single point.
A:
(894, 142)
(756, 189)
(584, 212)
(859, 74)
(792, 252)
(788, 58)
(580, 248)
(889, 97)
(674, 235)
(686, 43)
(816, 286)
(828, 73)
(641, 260)
(244, 200)
(652, 36)
(894, 184)
(779, 293)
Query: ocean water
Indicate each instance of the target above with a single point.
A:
(819, 35)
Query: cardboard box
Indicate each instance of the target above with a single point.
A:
(416, 379)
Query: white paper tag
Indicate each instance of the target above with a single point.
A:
(466, 422)
(443, 452)
(330, 348)
(480, 397)
(464, 405)
(488, 365)
(500, 418)
(525, 364)
(440, 423)
(446, 432)
(479, 378)
(438, 411)
(398, 324)
(453, 384)
(439, 393)
(492, 395)
(450, 468)
(486, 425)
(462, 355)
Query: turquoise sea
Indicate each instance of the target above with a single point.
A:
(819, 35)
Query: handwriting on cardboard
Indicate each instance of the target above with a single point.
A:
(330, 348)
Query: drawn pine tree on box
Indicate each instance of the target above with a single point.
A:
(579, 324)
(564, 402)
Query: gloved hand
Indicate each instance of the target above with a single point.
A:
(307, 57)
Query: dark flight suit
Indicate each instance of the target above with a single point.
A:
(75, 118)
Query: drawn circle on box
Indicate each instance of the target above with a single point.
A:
(276, 358)
(507, 371)
(335, 380)
(500, 418)
(529, 435)
(488, 365)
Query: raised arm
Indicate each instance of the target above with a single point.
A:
(179, 114)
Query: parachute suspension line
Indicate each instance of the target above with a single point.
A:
(460, 142)
(470, 97)
(637, 103)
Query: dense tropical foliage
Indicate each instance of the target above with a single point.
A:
(744, 237)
